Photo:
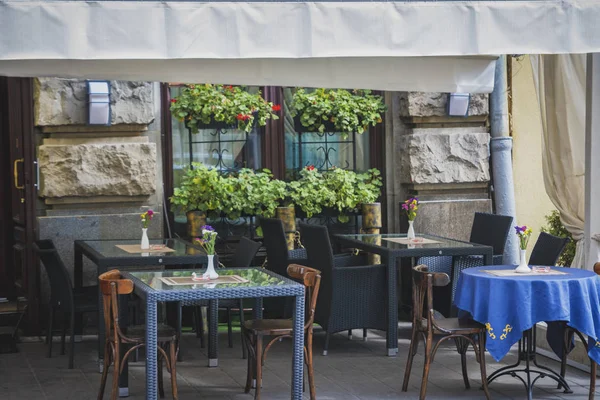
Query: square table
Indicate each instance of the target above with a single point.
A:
(106, 255)
(391, 250)
(261, 283)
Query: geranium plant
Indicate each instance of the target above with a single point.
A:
(348, 112)
(202, 189)
(338, 189)
(205, 103)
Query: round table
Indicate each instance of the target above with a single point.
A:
(510, 305)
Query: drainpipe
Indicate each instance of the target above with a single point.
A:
(501, 157)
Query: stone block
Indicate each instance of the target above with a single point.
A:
(98, 169)
(440, 155)
(59, 101)
(64, 230)
(425, 104)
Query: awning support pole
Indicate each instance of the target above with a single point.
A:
(501, 149)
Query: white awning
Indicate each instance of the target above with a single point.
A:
(379, 45)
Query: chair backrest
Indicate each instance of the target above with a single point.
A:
(547, 249)
(491, 230)
(244, 253)
(61, 289)
(275, 244)
(112, 284)
(423, 284)
(315, 239)
(312, 281)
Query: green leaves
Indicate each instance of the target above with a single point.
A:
(555, 227)
(249, 192)
(348, 112)
(204, 103)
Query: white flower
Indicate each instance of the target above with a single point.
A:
(205, 231)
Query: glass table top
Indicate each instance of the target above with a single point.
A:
(253, 277)
(394, 241)
(109, 249)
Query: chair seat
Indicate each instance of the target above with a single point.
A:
(270, 326)
(138, 333)
(463, 326)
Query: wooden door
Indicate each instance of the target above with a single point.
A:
(18, 193)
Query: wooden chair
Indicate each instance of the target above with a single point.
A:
(112, 284)
(255, 330)
(569, 333)
(426, 324)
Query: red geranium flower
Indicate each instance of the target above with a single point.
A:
(242, 117)
(276, 107)
(310, 167)
(173, 100)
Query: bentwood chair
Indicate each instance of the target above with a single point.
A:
(112, 285)
(254, 332)
(568, 339)
(65, 299)
(242, 258)
(427, 324)
(351, 290)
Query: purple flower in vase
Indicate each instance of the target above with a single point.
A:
(405, 206)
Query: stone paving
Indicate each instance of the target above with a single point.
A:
(353, 370)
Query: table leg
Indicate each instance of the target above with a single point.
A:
(123, 322)
(151, 349)
(258, 308)
(78, 282)
(213, 333)
(101, 327)
(392, 332)
(298, 358)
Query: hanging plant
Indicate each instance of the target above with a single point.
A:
(202, 104)
(347, 112)
(202, 189)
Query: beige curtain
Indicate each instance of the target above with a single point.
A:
(560, 83)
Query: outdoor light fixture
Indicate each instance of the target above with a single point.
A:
(458, 104)
(98, 102)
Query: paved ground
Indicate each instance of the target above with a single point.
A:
(352, 370)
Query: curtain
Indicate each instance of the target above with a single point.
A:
(560, 82)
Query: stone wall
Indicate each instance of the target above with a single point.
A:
(95, 180)
(443, 160)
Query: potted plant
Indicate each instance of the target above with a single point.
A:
(352, 189)
(336, 110)
(201, 192)
(203, 104)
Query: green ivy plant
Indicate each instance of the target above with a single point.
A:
(202, 189)
(347, 112)
(205, 103)
(309, 193)
(555, 227)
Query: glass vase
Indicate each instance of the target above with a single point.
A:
(210, 269)
(411, 230)
(145, 245)
(523, 268)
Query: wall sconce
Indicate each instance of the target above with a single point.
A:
(98, 102)
(458, 104)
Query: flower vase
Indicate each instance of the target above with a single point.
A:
(411, 230)
(210, 269)
(145, 245)
(523, 268)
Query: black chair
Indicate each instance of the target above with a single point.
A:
(278, 259)
(547, 249)
(63, 297)
(242, 258)
(487, 229)
(351, 294)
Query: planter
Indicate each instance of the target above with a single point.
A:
(371, 224)
(298, 127)
(195, 221)
(218, 125)
(287, 215)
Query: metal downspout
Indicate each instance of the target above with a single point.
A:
(501, 157)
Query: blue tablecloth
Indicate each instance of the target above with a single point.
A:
(510, 305)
